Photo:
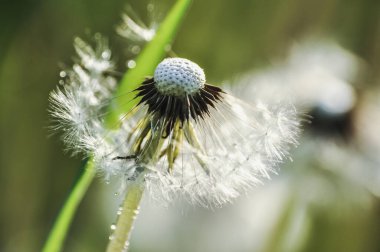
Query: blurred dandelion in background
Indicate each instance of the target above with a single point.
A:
(315, 73)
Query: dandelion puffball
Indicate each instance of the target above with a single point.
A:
(184, 136)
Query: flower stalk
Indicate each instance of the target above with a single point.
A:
(119, 240)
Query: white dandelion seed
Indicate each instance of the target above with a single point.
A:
(78, 105)
(133, 29)
(184, 137)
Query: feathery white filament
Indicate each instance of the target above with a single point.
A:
(241, 146)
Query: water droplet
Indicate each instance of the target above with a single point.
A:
(107, 182)
(106, 55)
(126, 245)
(61, 82)
(131, 64)
(113, 227)
(116, 194)
(135, 49)
(119, 211)
(111, 237)
(62, 74)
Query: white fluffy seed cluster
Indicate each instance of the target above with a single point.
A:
(179, 77)
(238, 145)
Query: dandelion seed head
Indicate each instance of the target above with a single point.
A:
(185, 138)
(179, 77)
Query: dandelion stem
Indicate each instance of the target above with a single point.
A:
(58, 233)
(119, 239)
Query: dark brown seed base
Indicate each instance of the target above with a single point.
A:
(173, 108)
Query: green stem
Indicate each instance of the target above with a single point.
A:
(119, 239)
(58, 233)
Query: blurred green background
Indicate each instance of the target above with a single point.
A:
(325, 200)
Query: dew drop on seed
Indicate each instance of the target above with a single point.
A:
(131, 64)
(111, 237)
(61, 82)
(106, 54)
(113, 227)
(62, 74)
(126, 246)
(119, 211)
(116, 194)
